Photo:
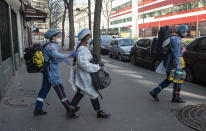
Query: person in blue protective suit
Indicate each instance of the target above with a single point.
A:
(51, 76)
(173, 63)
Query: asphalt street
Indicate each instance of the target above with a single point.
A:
(127, 100)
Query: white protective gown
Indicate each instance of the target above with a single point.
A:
(80, 74)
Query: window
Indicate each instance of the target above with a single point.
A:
(4, 29)
(140, 43)
(14, 31)
(202, 3)
(125, 5)
(147, 43)
(191, 46)
(121, 21)
(126, 42)
(201, 46)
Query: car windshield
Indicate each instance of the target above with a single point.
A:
(126, 42)
(105, 40)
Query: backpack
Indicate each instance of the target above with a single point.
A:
(34, 58)
(161, 45)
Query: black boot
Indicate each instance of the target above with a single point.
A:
(178, 101)
(76, 99)
(96, 106)
(75, 108)
(154, 95)
(102, 114)
(39, 112)
(70, 114)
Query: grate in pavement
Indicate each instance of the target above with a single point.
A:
(193, 116)
(20, 101)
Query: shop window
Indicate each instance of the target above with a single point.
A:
(14, 31)
(4, 29)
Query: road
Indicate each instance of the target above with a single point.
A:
(127, 100)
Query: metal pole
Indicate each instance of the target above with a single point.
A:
(197, 27)
(11, 41)
(143, 18)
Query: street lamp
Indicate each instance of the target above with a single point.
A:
(89, 15)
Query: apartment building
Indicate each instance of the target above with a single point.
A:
(152, 14)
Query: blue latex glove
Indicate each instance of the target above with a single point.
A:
(179, 68)
(66, 61)
(73, 54)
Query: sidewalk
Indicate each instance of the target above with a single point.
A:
(127, 100)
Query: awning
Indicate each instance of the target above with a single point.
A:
(32, 14)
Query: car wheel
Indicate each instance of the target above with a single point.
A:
(133, 61)
(189, 75)
(156, 64)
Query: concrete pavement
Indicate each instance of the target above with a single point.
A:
(127, 100)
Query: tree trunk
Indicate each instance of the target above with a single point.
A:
(89, 11)
(71, 25)
(63, 21)
(97, 17)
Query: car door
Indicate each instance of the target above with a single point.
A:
(139, 46)
(146, 51)
(190, 57)
(143, 50)
(200, 57)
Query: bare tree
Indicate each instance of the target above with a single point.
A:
(107, 9)
(71, 23)
(63, 22)
(97, 18)
(56, 8)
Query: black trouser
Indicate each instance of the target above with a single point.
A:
(78, 96)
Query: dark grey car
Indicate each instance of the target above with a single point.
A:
(120, 48)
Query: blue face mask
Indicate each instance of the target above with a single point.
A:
(89, 41)
(184, 34)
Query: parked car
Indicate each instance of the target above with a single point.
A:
(120, 48)
(105, 41)
(195, 60)
(144, 52)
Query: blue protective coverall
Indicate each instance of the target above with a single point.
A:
(51, 76)
(173, 62)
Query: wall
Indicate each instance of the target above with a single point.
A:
(9, 43)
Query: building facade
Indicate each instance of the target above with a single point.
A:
(152, 14)
(15, 36)
(42, 27)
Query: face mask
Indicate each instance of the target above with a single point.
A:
(58, 41)
(89, 41)
(184, 34)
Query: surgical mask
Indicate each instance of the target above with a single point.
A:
(58, 41)
(184, 34)
(89, 42)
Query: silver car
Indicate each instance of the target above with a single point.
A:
(120, 48)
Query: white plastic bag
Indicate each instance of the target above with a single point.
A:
(161, 69)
